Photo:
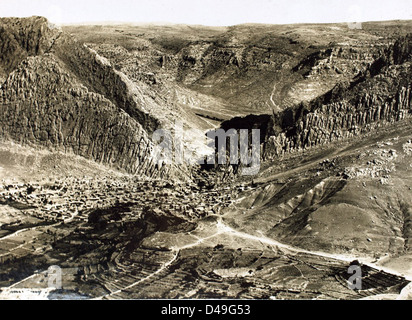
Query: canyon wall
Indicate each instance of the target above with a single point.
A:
(379, 96)
(43, 106)
(59, 94)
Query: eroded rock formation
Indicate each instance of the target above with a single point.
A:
(60, 94)
(377, 97)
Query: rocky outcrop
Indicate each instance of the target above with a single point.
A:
(99, 76)
(59, 94)
(377, 97)
(43, 105)
(34, 35)
(345, 60)
(20, 38)
(11, 54)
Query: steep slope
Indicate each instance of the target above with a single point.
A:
(59, 94)
(42, 105)
(353, 198)
(379, 96)
(99, 76)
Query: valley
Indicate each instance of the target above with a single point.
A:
(81, 190)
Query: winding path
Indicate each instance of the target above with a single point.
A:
(225, 229)
(275, 106)
(345, 258)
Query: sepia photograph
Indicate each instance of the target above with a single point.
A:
(219, 152)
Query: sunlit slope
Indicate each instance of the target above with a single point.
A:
(348, 198)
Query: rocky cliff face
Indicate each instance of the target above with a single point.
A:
(99, 76)
(42, 105)
(379, 96)
(59, 94)
(20, 38)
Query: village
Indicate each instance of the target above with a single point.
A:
(74, 198)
